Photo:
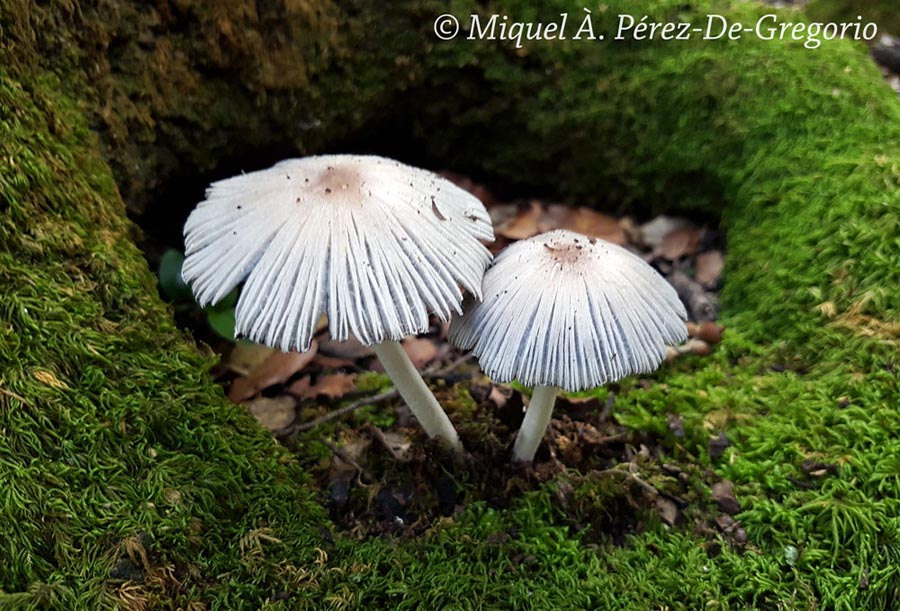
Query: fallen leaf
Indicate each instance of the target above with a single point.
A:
(582, 220)
(247, 356)
(631, 229)
(350, 348)
(679, 243)
(500, 213)
(332, 362)
(709, 266)
(523, 225)
(275, 413)
(300, 388)
(333, 386)
(499, 395)
(276, 369)
(652, 233)
(420, 350)
(397, 444)
(508, 402)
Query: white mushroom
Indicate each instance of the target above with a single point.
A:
(375, 244)
(561, 310)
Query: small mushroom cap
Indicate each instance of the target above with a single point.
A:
(561, 309)
(373, 243)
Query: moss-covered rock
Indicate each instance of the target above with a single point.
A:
(175, 89)
(126, 479)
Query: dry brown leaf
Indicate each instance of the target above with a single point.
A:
(274, 414)
(332, 386)
(499, 395)
(335, 385)
(582, 220)
(300, 388)
(679, 243)
(500, 213)
(523, 225)
(420, 350)
(709, 267)
(396, 443)
(247, 356)
(276, 369)
(652, 233)
(332, 362)
(631, 229)
(350, 348)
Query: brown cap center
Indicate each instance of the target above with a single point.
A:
(564, 253)
(340, 184)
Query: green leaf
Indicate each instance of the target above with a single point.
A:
(170, 280)
(221, 319)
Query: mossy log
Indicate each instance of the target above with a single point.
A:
(115, 444)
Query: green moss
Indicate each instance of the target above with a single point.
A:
(110, 429)
(882, 12)
(115, 440)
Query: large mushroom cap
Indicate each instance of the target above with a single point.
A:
(561, 309)
(373, 243)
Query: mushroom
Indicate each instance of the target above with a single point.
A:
(562, 310)
(375, 244)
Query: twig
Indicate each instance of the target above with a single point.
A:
(348, 460)
(632, 476)
(305, 426)
(433, 373)
(387, 395)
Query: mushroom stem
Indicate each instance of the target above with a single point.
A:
(537, 416)
(415, 392)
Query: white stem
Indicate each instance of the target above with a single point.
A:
(415, 392)
(537, 416)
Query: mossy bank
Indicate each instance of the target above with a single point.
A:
(127, 479)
